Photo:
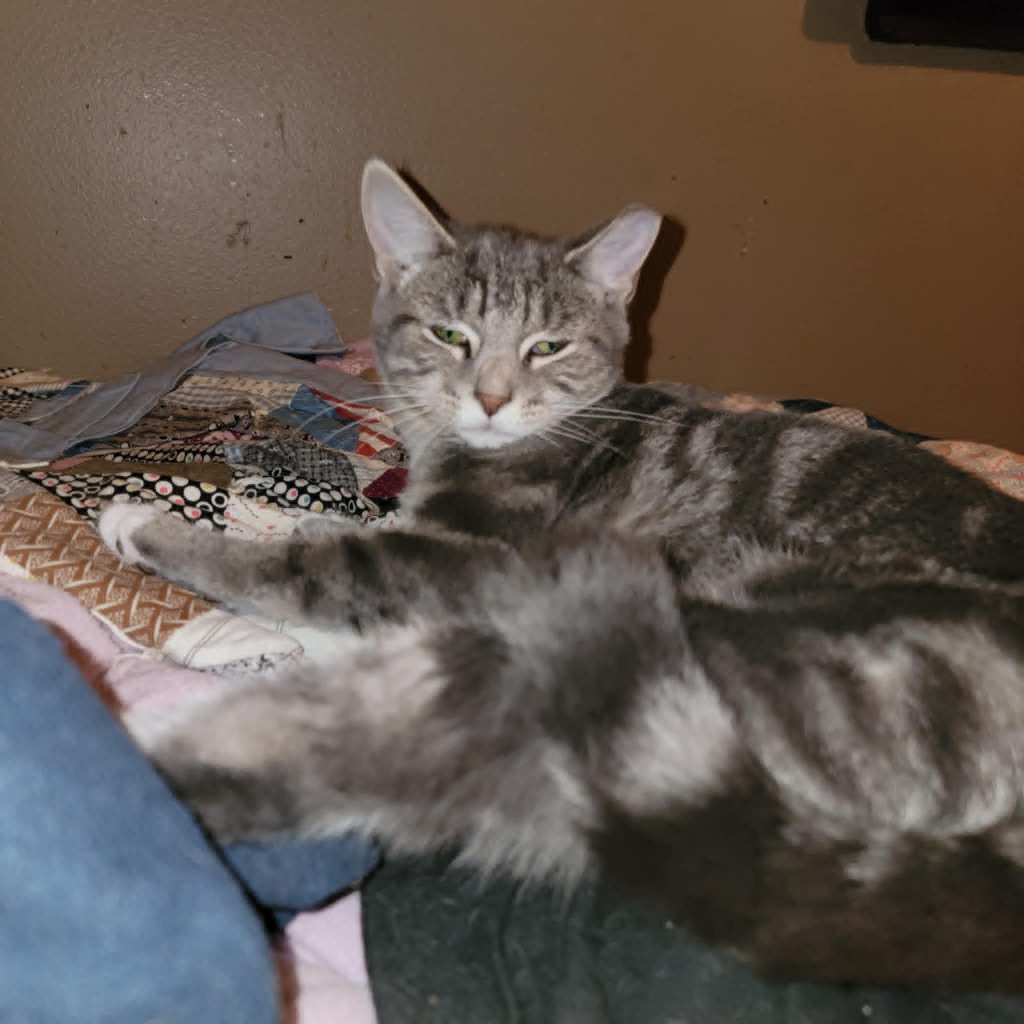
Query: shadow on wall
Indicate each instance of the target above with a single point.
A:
(648, 294)
(842, 21)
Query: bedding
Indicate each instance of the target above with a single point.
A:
(247, 445)
(442, 946)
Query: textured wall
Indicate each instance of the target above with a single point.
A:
(853, 232)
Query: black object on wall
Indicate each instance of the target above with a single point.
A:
(979, 24)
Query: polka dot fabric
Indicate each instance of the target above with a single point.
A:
(197, 501)
(288, 490)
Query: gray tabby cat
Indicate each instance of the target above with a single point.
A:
(767, 669)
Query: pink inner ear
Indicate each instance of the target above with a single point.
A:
(401, 229)
(614, 257)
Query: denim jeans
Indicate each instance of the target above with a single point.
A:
(114, 908)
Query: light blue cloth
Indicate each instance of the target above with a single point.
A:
(114, 909)
(312, 415)
(253, 343)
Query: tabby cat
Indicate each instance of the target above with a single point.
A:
(769, 670)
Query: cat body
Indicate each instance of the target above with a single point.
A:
(768, 670)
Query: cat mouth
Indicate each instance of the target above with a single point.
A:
(488, 436)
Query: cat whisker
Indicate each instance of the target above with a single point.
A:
(341, 431)
(586, 437)
(383, 396)
(376, 411)
(373, 416)
(545, 435)
(432, 438)
(584, 433)
(594, 411)
(415, 415)
(329, 411)
(391, 396)
(414, 401)
(402, 409)
(597, 412)
(580, 432)
(399, 391)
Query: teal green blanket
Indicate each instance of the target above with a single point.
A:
(445, 948)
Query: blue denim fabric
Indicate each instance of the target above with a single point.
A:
(311, 414)
(287, 877)
(113, 907)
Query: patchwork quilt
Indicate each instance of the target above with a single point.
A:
(243, 456)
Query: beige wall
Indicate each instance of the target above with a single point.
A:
(853, 232)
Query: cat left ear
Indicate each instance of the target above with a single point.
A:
(402, 231)
(612, 257)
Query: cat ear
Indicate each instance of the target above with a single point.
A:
(402, 231)
(612, 257)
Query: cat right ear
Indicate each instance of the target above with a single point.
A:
(402, 231)
(611, 257)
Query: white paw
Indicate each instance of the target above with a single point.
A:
(119, 522)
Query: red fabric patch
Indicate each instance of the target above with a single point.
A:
(376, 431)
(388, 485)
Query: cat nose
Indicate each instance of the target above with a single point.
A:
(491, 403)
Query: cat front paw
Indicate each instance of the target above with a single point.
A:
(118, 524)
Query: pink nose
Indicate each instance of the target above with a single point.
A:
(491, 403)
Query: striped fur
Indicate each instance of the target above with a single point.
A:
(768, 670)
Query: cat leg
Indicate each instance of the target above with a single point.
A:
(336, 577)
(240, 574)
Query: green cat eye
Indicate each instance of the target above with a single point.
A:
(547, 348)
(449, 335)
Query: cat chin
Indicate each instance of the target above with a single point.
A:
(488, 437)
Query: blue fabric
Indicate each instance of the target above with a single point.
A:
(252, 343)
(291, 876)
(113, 906)
(313, 415)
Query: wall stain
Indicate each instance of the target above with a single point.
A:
(240, 234)
(279, 122)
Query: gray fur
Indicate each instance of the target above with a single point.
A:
(768, 669)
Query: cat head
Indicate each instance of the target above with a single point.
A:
(488, 334)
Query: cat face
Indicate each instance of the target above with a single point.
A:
(490, 335)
